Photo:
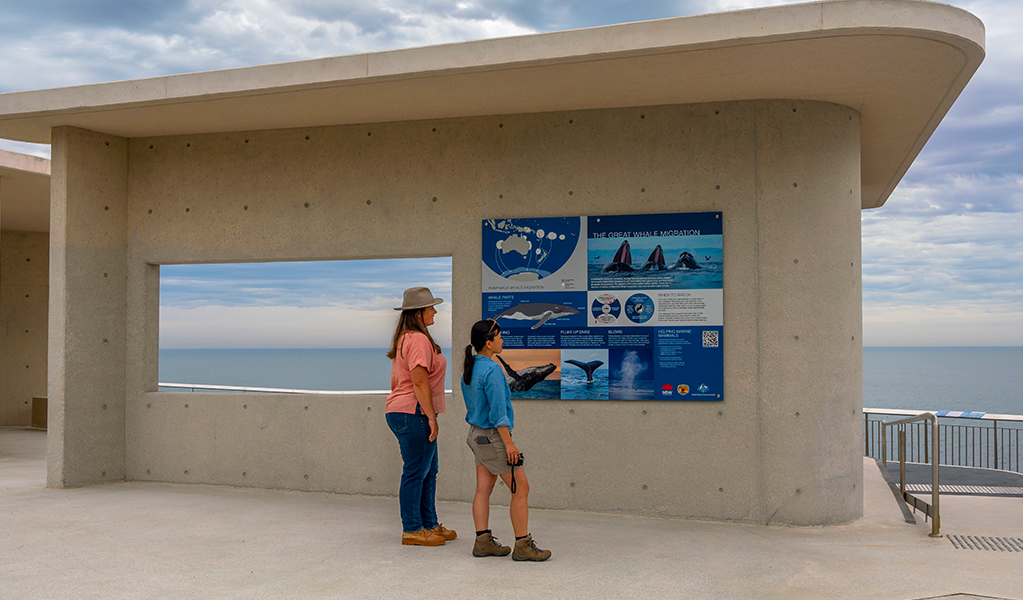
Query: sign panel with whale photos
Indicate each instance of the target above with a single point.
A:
(617, 307)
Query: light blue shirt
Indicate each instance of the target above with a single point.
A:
(487, 396)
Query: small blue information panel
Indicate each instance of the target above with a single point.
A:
(621, 307)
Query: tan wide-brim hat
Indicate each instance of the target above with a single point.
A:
(418, 297)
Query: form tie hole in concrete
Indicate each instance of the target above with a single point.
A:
(571, 411)
(246, 141)
(797, 414)
(105, 341)
(642, 116)
(794, 185)
(244, 474)
(246, 207)
(148, 472)
(150, 211)
(188, 210)
(435, 198)
(306, 476)
(106, 208)
(368, 202)
(107, 143)
(721, 489)
(105, 275)
(186, 406)
(717, 187)
(570, 192)
(149, 406)
(307, 137)
(642, 190)
(245, 405)
(186, 471)
(644, 412)
(500, 195)
(28, 260)
(717, 112)
(570, 121)
(720, 413)
(369, 133)
(793, 110)
(103, 474)
(795, 261)
(500, 124)
(150, 146)
(798, 491)
(644, 487)
(307, 408)
(571, 484)
(188, 145)
(307, 205)
(796, 337)
(369, 479)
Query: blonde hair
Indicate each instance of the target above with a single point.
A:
(410, 320)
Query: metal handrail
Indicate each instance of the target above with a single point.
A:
(931, 509)
(266, 390)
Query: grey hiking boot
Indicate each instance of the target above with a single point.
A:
(525, 549)
(487, 545)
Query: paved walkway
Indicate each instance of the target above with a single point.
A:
(146, 540)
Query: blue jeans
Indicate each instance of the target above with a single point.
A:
(418, 490)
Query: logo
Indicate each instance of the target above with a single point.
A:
(666, 389)
(703, 388)
(683, 389)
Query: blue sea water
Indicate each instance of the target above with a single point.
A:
(978, 379)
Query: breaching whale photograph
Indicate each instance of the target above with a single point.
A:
(584, 374)
(532, 372)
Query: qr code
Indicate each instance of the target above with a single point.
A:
(710, 339)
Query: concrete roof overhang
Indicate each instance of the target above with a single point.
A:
(24, 192)
(900, 63)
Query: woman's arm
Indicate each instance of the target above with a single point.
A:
(421, 386)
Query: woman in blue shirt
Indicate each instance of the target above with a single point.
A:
(488, 411)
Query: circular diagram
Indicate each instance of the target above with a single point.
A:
(639, 308)
(606, 309)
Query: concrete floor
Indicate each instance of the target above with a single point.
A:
(145, 540)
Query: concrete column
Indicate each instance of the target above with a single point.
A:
(808, 312)
(89, 193)
(23, 292)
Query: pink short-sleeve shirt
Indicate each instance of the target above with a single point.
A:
(415, 350)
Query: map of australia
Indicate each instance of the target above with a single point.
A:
(526, 250)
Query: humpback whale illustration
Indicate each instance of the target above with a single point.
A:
(541, 312)
(656, 260)
(686, 262)
(525, 379)
(589, 367)
(622, 261)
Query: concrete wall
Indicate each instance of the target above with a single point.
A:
(23, 297)
(784, 446)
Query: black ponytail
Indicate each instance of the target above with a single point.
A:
(481, 333)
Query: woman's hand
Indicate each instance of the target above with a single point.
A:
(434, 429)
(513, 452)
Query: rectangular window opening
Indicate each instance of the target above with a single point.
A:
(314, 326)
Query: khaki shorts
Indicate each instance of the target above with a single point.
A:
(493, 456)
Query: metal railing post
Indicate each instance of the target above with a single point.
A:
(936, 521)
(902, 461)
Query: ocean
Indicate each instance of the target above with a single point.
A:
(974, 379)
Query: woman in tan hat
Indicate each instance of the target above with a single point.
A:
(416, 398)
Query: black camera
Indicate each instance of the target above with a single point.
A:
(519, 462)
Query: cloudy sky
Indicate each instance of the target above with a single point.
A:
(942, 259)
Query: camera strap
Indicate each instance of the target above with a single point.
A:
(513, 481)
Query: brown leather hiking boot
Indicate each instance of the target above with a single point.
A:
(444, 532)
(487, 545)
(423, 537)
(525, 549)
